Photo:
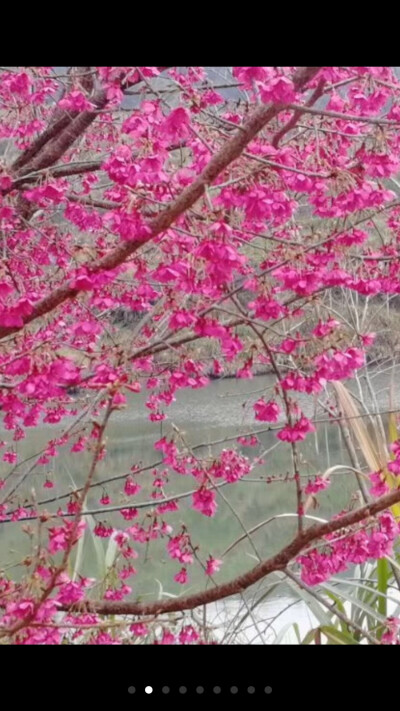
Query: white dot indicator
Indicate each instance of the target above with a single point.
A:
(148, 690)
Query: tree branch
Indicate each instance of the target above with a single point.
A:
(342, 117)
(242, 582)
(297, 114)
(61, 134)
(231, 150)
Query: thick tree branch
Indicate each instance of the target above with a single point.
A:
(49, 134)
(58, 144)
(59, 171)
(241, 583)
(61, 134)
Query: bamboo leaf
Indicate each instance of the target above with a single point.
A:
(340, 607)
(383, 575)
(337, 636)
(111, 552)
(310, 636)
(374, 452)
(356, 425)
(282, 632)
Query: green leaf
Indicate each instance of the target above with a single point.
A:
(111, 552)
(383, 575)
(315, 606)
(78, 558)
(340, 607)
(282, 632)
(357, 604)
(335, 636)
(297, 631)
(310, 636)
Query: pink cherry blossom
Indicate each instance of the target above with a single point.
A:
(181, 577)
(317, 485)
(296, 432)
(213, 565)
(204, 501)
(163, 228)
(267, 411)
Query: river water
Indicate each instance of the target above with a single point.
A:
(218, 413)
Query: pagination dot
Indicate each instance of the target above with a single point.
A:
(268, 689)
(148, 689)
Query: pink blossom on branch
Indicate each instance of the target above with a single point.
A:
(267, 411)
(157, 248)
